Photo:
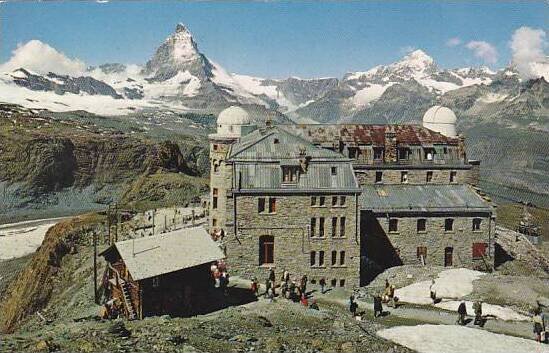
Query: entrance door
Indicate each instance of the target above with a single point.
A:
(448, 258)
(266, 249)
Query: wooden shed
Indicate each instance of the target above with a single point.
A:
(162, 274)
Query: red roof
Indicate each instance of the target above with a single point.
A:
(364, 134)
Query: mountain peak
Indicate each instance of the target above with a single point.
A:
(181, 28)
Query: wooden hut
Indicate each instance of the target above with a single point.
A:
(162, 274)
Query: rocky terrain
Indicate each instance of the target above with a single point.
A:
(63, 164)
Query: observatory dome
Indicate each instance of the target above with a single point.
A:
(440, 119)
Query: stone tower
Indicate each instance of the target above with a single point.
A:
(232, 123)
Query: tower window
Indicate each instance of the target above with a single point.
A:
(342, 258)
(313, 258)
(342, 201)
(276, 141)
(334, 258)
(393, 225)
(334, 226)
(215, 147)
(334, 200)
(214, 198)
(313, 227)
(313, 201)
(334, 170)
(321, 258)
(321, 227)
(448, 224)
(403, 177)
(453, 174)
(322, 201)
(429, 177)
(272, 205)
(421, 225)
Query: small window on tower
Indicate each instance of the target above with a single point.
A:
(261, 205)
(313, 200)
(379, 176)
(272, 205)
(276, 141)
(453, 174)
(334, 170)
(215, 147)
(448, 224)
(429, 177)
(404, 177)
(393, 225)
(476, 224)
(334, 200)
(322, 200)
(421, 225)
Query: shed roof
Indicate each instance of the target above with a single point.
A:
(169, 252)
(414, 198)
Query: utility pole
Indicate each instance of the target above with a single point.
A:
(95, 293)
(165, 223)
(153, 212)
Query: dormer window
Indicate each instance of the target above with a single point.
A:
(429, 153)
(290, 174)
(378, 153)
(403, 153)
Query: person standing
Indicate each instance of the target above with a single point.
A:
(462, 312)
(267, 287)
(272, 279)
(539, 325)
(378, 307)
(286, 276)
(352, 305)
(432, 292)
(477, 307)
(303, 284)
(322, 283)
(254, 287)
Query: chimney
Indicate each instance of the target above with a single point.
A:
(390, 144)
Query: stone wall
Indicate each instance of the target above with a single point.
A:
(415, 176)
(293, 243)
(407, 239)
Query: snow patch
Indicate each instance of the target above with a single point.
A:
(21, 240)
(369, 94)
(457, 339)
(492, 98)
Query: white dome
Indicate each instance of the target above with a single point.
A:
(233, 116)
(440, 119)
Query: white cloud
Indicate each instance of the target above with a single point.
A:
(40, 57)
(453, 42)
(527, 45)
(483, 50)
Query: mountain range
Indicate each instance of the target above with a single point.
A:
(505, 117)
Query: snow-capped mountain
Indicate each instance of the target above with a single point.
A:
(180, 78)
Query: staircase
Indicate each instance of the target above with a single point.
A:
(128, 301)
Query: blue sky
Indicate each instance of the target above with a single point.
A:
(273, 39)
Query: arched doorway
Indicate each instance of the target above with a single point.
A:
(266, 249)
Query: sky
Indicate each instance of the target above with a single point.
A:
(277, 39)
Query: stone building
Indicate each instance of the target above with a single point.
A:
(402, 194)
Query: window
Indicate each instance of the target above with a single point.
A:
(378, 153)
(342, 258)
(313, 201)
(479, 250)
(342, 227)
(342, 283)
(321, 258)
(453, 174)
(276, 141)
(334, 258)
(321, 227)
(261, 205)
(393, 225)
(403, 153)
(313, 226)
(334, 170)
(334, 227)
(322, 201)
(313, 258)
(429, 177)
(214, 198)
(334, 282)
(448, 224)
(342, 201)
(445, 150)
(421, 225)
(403, 177)
(429, 153)
(290, 174)
(422, 253)
(272, 205)
(215, 164)
(215, 147)
(266, 249)
(476, 224)
(379, 177)
(448, 256)
(334, 200)
(214, 222)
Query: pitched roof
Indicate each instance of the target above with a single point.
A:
(160, 254)
(277, 144)
(413, 198)
(366, 134)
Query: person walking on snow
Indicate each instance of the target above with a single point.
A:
(477, 307)
(462, 312)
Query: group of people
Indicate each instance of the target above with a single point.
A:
(220, 276)
(289, 289)
(462, 313)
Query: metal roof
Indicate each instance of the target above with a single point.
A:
(413, 198)
(160, 254)
(274, 143)
(261, 176)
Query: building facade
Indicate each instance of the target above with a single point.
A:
(346, 201)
